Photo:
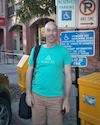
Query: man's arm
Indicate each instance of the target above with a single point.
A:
(29, 75)
(68, 85)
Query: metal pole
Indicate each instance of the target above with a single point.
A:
(13, 57)
(77, 97)
(76, 81)
(4, 56)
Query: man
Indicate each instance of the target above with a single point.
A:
(52, 75)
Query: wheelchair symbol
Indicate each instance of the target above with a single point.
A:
(66, 15)
(66, 37)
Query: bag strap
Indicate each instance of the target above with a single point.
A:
(36, 51)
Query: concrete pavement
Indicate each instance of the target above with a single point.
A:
(11, 71)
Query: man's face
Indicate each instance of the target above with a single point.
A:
(51, 32)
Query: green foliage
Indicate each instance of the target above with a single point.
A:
(34, 8)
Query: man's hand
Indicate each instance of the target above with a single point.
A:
(66, 106)
(29, 100)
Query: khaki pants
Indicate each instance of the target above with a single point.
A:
(47, 111)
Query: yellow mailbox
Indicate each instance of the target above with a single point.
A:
(89, 99)
(22, 68)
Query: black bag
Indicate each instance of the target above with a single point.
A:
(24, 109)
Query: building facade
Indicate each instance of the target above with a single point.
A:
(20, 38)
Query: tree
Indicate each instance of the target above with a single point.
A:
(34, 8)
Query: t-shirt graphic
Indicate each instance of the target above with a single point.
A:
(48, 60)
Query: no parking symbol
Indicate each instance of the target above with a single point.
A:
(88, 15)
(87, 7)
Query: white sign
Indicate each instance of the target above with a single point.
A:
(66, 13)
(88, 14)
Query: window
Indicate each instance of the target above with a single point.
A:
(10, 10)
(42, 36)
(1, 8)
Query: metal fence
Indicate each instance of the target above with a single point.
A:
(10, 57)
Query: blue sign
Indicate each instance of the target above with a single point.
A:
(79, 43)
(66, 15)
(79, 62)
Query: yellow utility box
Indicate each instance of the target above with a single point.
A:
(89, 99)
(22, 68)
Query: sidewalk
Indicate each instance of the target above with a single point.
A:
(11, 71)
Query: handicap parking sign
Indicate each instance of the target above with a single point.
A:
(80, 43)
(66, 15)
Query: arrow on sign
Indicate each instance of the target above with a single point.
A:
(87, 23)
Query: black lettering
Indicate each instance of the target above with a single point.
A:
(87, 4)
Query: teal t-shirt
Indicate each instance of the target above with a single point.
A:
(48, 76)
